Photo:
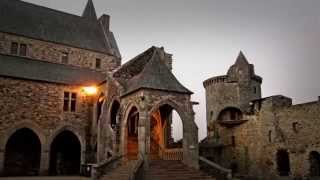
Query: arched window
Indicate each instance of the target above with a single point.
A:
(283, 163)
(230, 114)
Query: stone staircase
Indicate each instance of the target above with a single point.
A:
(122, 172)
(173, 170)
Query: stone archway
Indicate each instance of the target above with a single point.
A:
(314, 159)
(189, 151)
(132, 133)
(65, 154)
(161, 134)
(23, 153)
(283, 162)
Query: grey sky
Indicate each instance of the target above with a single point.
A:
(281, 37)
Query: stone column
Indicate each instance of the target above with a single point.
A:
(144, 136)
(190, 141)
(44, 163)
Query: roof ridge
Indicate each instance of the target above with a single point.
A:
(48, 8)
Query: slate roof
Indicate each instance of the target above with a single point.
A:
(33, 21)
(149, 71)
(24, 68)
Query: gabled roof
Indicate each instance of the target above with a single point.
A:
(149, 71)
(37, 22)
(25, 68)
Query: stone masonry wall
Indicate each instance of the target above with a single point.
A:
(51, 52)
(39, 106)
(294, 129)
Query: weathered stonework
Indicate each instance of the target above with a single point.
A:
(250, 145)
(52, 52)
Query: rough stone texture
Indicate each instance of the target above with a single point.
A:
(250, 144)
(51, 52)
(39, 107)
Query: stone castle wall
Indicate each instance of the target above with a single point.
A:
(52, 52)
(39, 107)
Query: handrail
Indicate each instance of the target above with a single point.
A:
(100, 168)
(228, 172)
(137, 171)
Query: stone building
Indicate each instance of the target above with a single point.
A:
(66, 100)
(265, 138)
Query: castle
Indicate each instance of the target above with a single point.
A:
(267, 137)
(69, 107)
(68, 103)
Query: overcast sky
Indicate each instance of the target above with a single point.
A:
(280, 37)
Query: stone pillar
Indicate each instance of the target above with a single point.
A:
(2, 157)
(190, 142)
(44, 163)
(144, 137)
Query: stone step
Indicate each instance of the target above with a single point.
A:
(174, 170)
(46, 178)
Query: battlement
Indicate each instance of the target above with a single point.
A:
(215, 80)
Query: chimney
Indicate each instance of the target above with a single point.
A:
(105, 22)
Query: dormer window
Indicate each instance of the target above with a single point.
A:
(65, 58)
(17, 49)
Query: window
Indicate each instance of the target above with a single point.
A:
(23, 50)
(73, 102)
(233, 115)
(14, 48)
(69, 101)
(66, 101)
(65, 58)
(98, 63)
(255, 90)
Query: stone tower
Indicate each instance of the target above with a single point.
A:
(232, 91)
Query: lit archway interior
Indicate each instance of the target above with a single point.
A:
(132, 134)
(166, 131)
(65, 154)
(23, 152)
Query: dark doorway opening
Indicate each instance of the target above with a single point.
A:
(23, 152)
(114, 113)
(132, 143)
(314, 158)
(283, 163)
(65, 155)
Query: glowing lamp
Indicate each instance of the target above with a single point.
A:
(90, 90)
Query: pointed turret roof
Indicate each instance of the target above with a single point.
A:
(241, 59)
(89, 12)
(154, 74)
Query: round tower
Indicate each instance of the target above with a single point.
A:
(228, 96)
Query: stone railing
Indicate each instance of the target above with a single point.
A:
(216, 169)
(137, 173)
(99, 169)
(171, 154)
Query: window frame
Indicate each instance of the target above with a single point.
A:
(14, 49)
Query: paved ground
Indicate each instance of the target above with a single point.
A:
(46, 178)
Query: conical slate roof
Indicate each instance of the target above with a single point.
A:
(153, 73)
(89, 12)
(241, 59)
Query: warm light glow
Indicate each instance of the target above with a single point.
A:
(89, 90)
